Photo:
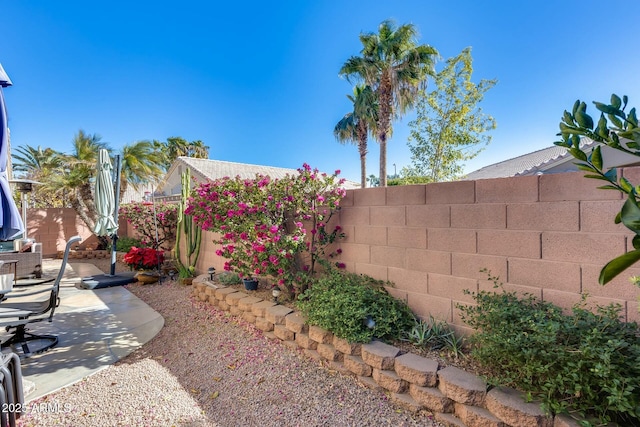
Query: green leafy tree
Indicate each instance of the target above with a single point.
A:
(396, 67)
(617, 129)
(140, 217)
(356, 125)
(373, 181)
(408, 176)
(450, 127)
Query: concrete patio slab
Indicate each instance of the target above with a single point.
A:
(95, 328)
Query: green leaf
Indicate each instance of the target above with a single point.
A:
(564, 129)
(588, 175)
(596, 158)
(609, 109)
(633, 118)
(585, 167)
(618, 219)
(612, 174)
(626, 185)
(568, 118)
(617, 266)
(636, 242)
(578, 154)
(583, 119)
(630, 214)
(575, 107)
(608, 187)
(616, 102)
(616, 121)
(575, 140)
(601, 129)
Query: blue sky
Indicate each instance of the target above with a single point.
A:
(258, 81)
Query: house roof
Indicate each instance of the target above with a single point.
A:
(214, 169)
(206, 169)
(534, 163)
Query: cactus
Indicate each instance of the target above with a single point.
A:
(192, 233)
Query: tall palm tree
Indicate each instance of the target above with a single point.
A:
(40, 165)
(142, 162)
(356, 125)
(33, 162)
(198, 150)
(396, 67)
(177, 146)
(73, 179)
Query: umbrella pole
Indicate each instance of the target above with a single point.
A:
(118, 169)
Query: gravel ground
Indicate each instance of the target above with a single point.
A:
(206, 368)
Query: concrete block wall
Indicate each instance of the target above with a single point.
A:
(53, 227)
(456, 397)
(547, 235)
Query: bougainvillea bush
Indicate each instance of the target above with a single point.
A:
(271, 227)
(140, 216)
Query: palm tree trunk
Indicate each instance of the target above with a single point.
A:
(81, 209)
(363, 131)
(363, 171)
(384, 122)
(383, 160)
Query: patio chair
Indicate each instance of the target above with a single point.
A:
(17, 311)
(11, 391)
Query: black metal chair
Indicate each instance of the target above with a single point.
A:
(17, 311)
(11, 391)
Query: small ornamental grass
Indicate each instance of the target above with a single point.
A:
(343, 303)
(586, 364)
(434, 334)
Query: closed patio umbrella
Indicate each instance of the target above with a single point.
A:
(104, 197)
(11, 224)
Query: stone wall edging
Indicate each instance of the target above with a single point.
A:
(456, 397)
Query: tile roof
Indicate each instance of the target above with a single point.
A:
(206, 169)
(527, 164)
(213, 169)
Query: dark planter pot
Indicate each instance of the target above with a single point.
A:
(250, 284)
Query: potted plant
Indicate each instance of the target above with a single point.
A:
(186, 274)
(147, 261)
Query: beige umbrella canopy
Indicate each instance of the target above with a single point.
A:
(104, 197)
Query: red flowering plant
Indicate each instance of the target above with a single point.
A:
(143, 258)
(140, 216)
(262, 223)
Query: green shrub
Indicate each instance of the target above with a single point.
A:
(124, 243)
(587, 364)
(228, 278)
(342, 302)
